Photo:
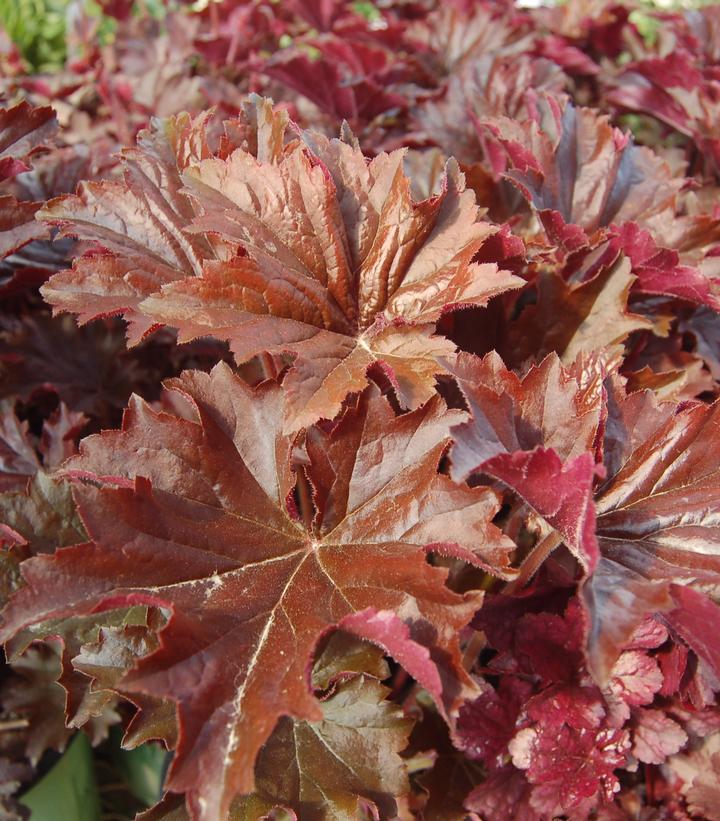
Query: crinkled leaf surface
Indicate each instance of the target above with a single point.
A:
(636, 678)
(657, 515)
(191, 514)
(343, 274)
(327, 264)
(486, 725)
(340, 266)
(551, 406)
(139, 222)
(452, 36)
(698, 771)
(569, 752)
(505, 793)
(656, 736)
(578, 170)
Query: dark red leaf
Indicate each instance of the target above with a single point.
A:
(486, 725)
(199, 541)
(505, 793)
(569, 755)
(696, 619)
(23, 129)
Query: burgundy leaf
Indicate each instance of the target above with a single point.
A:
(659, 271)
(505, 793)
(569, 754)
(560, 493)
(576, 169)
(23, 129)
(486, 725)
(226, 530)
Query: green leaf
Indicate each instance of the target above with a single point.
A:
(143, 768)
(69, 791)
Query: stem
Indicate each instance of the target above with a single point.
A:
(305, 502)
(650, 783)
(267, 363)
(214, 18)
(399, 681)
(234, 46)
(14, 724)
(530, 566)
(472, 651)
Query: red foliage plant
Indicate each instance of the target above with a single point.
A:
(362, 447)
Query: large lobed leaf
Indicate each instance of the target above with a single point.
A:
(579, 172)
(338, 265)
(657, 516)
(192, 514)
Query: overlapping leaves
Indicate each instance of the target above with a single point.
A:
(650, 523)
(536, 552)
(323, 255)
(204, 528)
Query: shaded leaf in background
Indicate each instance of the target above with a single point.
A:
(320, 769)
(580, 173)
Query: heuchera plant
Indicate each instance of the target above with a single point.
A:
(359, 436)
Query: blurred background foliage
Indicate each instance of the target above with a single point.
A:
(37, 27)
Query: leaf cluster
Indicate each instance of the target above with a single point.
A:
(360, 436)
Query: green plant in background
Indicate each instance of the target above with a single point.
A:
(367, 9)
(37, 27)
